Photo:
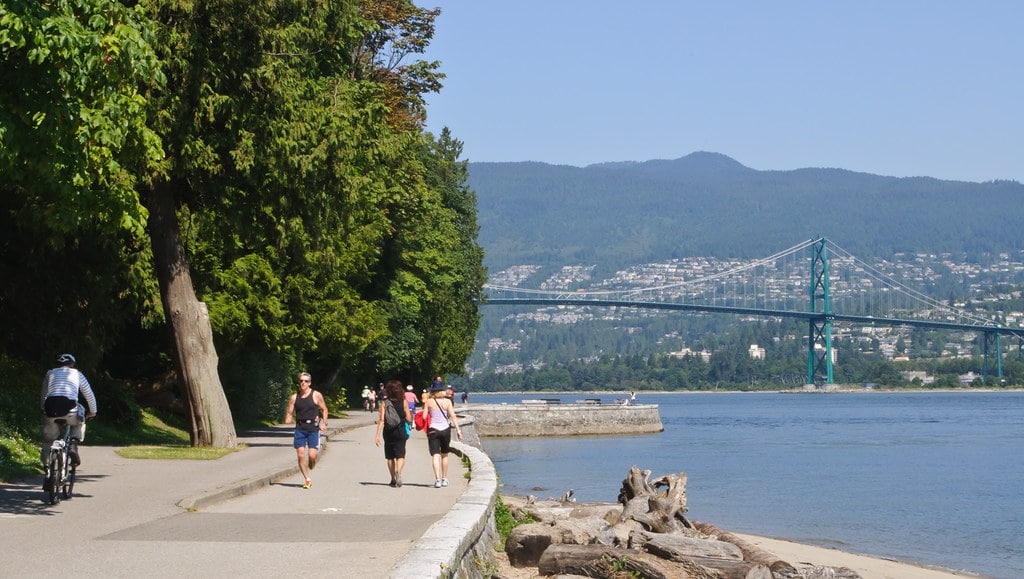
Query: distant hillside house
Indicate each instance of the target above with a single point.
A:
(703, 354)
(922, 377)
(756, 352)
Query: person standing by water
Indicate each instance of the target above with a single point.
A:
(439, 436)
(393, 437)
(309, 410)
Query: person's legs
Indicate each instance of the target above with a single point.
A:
(434, 443)
(399, 455)
(399, 464)
(301, 440)
(445, 441)
(76, 419)
(50, 432)
(303, 461)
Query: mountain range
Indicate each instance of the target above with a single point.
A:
(707, 204)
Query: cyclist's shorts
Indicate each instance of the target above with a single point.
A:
(58, 406)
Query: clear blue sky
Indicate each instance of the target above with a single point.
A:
(895, 87)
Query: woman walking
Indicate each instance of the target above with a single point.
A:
(439, 436)
(393, 436)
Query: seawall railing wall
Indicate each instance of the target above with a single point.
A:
(564, 419)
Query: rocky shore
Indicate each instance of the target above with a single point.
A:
(646, 534)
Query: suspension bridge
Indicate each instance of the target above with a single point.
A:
(815, 281)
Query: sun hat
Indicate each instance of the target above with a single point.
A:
(409, 387)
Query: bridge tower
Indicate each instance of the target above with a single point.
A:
(991, 344)
(819, 333)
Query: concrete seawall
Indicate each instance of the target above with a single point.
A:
(462, 544)
(563, 419)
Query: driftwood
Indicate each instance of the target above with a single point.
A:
(677, 547)
(612, 562)
(750, 552)
(661, 511)
(644, 534)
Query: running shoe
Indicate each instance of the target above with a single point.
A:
(437, 484)
(444, 482)
(308, 484)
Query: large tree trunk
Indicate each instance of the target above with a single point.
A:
(194, 353)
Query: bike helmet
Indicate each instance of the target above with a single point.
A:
(65, 359)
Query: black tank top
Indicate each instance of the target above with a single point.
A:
(306, 411)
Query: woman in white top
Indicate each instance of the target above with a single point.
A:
(439, 435)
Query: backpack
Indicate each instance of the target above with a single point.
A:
(391, 417)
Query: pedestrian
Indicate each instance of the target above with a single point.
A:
(439, 436)
(465, 397)
(309, 410)
(393, 435)
(371, 397)
(59, 399)
(410, 399)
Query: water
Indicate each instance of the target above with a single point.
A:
(932, 477)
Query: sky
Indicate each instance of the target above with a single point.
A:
(896, 87)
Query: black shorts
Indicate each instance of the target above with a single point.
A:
(439, 441)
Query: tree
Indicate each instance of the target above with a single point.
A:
(73, 142)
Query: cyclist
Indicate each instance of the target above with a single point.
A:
(59, 399)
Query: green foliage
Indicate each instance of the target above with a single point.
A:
(709, 205)
(257, 383)
(73, 140)
(620, 568)
(19, 457)
(504, 522)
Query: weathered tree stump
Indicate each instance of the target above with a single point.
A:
(644, 501)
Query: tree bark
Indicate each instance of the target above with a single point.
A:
(189, 321)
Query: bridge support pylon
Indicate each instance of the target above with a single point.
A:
(992, 343)
(819, 333)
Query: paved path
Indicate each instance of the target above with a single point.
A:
(185, 518)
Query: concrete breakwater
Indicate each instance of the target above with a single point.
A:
(555, 419)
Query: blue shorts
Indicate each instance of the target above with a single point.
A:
(310, 438)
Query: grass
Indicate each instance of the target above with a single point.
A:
(174, 452)
(156, 437)
(167, 442)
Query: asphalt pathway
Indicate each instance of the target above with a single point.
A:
(244, 514)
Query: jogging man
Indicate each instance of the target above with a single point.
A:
(309, 409)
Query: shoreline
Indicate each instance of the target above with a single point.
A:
(802, 556)
(846, 390)
(868, 567)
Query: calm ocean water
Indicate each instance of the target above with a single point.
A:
(935, 478)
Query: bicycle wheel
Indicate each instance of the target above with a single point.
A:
(53, 479)
(69, 482)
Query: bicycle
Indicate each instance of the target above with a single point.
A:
(60, 470)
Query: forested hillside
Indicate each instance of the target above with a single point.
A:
(707, 204)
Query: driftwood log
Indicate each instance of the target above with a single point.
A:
(750, 552)
(609, 562)
(644, 534)
(658, 505)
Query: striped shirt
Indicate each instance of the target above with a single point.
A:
(67, 382)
